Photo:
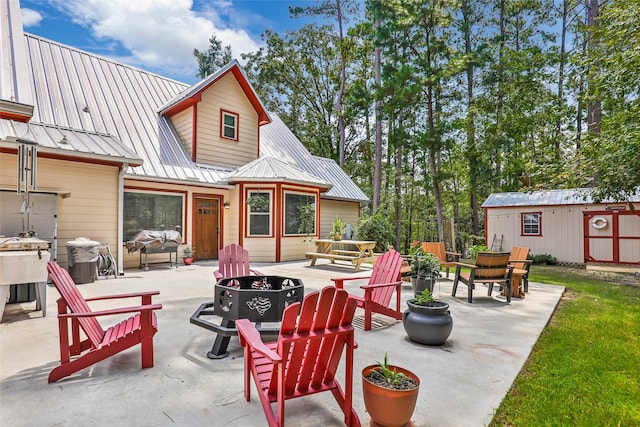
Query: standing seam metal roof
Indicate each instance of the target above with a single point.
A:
(95, 96)
(578, 196)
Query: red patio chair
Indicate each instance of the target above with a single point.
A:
(305, 358)
(384, 280)
(233, 261)
(99, 344)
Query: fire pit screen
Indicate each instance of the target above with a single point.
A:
(257, 298)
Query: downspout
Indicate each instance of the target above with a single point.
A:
(121, 174)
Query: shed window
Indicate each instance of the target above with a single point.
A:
(531, 224)
(299, 214)
(151, 211)
(229, 125)
(259, 213)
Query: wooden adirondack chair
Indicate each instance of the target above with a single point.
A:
(233, 261)
(384, 280)
(446, 259)
(305, 358)
(521, 265)
(490, 267)
(100, 343)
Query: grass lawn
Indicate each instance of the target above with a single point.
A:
(585, 368)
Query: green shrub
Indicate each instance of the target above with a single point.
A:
(473, 252)
(376, 227)
(543, 259)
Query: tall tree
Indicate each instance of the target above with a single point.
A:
(213, 58)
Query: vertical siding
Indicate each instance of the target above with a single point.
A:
(348, 212)
(562, 230)
(92, 208)
(226, 94)
(629, 225)
(183, 122)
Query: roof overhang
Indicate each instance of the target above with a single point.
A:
(193, 95)
(15, 111)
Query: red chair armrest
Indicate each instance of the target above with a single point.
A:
(250, 337)
(112, 311)
(116, 296)
(381, 285)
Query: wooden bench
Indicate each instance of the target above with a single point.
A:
(330, 256)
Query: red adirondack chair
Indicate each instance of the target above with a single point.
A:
(233, 261)
(305, 358)
(384, 280)
(100, 343)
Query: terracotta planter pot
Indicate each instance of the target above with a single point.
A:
(187, 261)
(387, 407)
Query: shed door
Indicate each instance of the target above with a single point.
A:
(612, 237)
(206, 241)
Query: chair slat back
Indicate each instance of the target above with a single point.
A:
(518, 253)
(491, 264)
(385, 270)
(233, 261)
(312, 338)
(436, 249)
(75, 302)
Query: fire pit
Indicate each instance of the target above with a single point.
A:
(261, 299)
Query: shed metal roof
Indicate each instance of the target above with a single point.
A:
(578, 196)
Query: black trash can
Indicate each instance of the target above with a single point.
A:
(83, 255)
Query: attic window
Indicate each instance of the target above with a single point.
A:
(228, 125)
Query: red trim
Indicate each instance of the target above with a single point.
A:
(315, 193)
(162, 190)
(279, 216)
(486, 226)
(263, 117)
(194, 133)
(14, 116)
(271, 214)
(241, 214)
(222, 125)
(522, 233)
(70, 158)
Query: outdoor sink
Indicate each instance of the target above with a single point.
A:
(23, 267)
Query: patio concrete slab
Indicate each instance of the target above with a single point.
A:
(462, 382)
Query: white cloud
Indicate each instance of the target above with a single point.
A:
(158, 33)
(30, 17)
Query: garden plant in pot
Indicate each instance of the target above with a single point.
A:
(339, 229)
(187, 255)
(425, 268)
(390, 394)
(427, 321)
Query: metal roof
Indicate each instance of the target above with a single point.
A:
(75, 143)
(277, 140)
(270, 169)
(578, 196)
(105, 106)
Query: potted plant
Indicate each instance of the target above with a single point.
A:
(390, 393)
(187, 255)
(425, 268)
(339, 229)
(427, 321)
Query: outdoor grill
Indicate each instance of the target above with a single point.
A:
(261, 299)
(155, 242)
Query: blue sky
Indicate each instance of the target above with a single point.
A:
(158, 35)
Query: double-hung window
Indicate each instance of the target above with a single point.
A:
(259, 213)
(228, 125)
(531, 223)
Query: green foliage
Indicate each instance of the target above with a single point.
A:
(543, 259)
(307, 217)
(213, 58)
(390, 377)
(423, 264)
(424, 297)
(473, 252)
(376, 227)
(188, 252)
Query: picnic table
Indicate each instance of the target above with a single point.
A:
(334, 250)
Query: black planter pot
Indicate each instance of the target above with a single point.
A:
(421, 283)
(428, 324)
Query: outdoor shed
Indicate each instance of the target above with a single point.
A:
(566, 224)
